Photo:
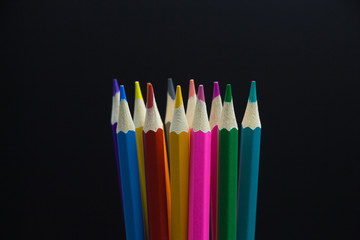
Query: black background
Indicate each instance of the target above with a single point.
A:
(58, 61)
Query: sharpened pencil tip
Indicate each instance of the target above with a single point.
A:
(252, 95)
(228, 93)
(115, 86)
(191, 88)
(171, 90)
(178, 98)
(122, 93)
(216, 91)
(150, 96)
(138, 90)
(200, 94)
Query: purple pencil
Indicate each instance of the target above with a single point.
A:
(215, 114)
(114, 122)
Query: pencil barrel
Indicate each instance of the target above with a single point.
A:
(248, 182)
(129, 173)
(227, 184)
(140, 151)
(114, 126)
(154, 149)
(213, 179)
(199, 185)
(167, 131)
(179, 157)
(116, 154)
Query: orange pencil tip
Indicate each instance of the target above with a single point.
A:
(192, 91)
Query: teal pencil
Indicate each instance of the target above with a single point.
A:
(249, 168)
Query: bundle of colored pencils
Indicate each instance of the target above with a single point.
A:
(190, 178)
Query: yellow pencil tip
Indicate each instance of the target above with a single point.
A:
(138, 90)
(178, 98)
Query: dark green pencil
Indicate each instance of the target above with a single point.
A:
(227, 170)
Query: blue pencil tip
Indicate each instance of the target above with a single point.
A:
(252, 95)
(122, 93)
(171, 89)
(115, 86)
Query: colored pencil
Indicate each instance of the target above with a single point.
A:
(114, 122)
(139, 118)
(156, 169)
(249, 168)
(215, 114)
(129, 171)
(199, 180)
(227, 170)
(170, 101)
(179, 168)
(191, 102)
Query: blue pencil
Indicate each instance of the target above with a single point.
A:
(129, 171)
(249, 168)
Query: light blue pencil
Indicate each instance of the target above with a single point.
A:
(249, 168)
(129, 171)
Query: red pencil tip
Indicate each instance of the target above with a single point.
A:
(150, 96)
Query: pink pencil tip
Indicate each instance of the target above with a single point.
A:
(201, 95)
(150, 96)
(216, 91)
(192, 91)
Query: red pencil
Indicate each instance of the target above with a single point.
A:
(157, 171)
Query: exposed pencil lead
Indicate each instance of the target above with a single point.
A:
(200, 94)
(138, 90)
(178, 99)
(122, 93)
(115, 86)
(252, 95)
(171, 90)
(216, 91)
(228, 94)
(191, 88)
(150, 96)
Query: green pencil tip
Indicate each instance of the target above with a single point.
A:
(228, 94)
(252, 95)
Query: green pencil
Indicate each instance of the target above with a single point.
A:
(227, 170)
(249, 168)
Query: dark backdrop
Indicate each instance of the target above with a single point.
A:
(58, 61)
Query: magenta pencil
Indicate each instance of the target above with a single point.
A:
(199, 179)
(215, 114)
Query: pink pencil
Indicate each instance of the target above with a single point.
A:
(199, 180)
(215, 114)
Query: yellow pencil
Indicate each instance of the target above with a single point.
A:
(179, 168)
(139, 118)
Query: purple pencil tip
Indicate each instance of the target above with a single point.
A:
(200, 94)
(115, 86)
(216, 91)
